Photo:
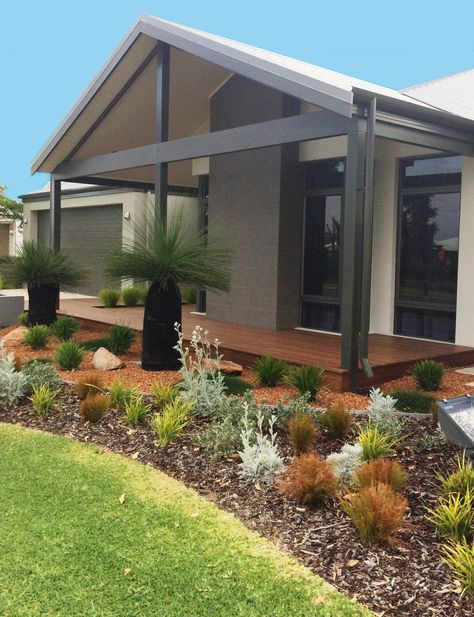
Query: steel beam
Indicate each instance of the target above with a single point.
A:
(352, 253)
(304, 127)
(55, 213)
(161, 128)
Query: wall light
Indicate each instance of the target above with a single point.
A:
(127, 216)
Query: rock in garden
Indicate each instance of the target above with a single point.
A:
(224, 366)
(104, 360)
(15, 337)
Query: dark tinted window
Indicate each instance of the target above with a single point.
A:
(439, 171)
(326, 174)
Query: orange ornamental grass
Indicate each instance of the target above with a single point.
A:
(302, 432)
(309, 480)
(380, 470)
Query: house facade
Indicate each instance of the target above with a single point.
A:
(349, 206)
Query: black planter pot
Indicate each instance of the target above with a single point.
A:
(42, 304)
(162, 311)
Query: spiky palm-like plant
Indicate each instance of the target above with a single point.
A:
(45, 272)
(169, 256)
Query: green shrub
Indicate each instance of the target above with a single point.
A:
(37, 336)
(307, 378)
(109, 297)
(453, 516)
(459, 557)
(375, 443)
(95, 344)
(43, 399)
(93, 408)
(170, 423)
(69, 355)
(235, 386)
(163, 394)
(290, 407)
(413, 401)
(120, 395)
(120, 338)
(65, 327)
(459, 482)
(428, 375)
(41, 372)
(189, 294)
(23, 319)
(143, 294)
(269, 371)
(136, 410)
(131, 296)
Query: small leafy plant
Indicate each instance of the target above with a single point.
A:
(383, 471)
(309, 480)
(88, 385)
(13, 384)
(136, 410)
(109, 297)
(337, 420)
(37, 336)
(43, 399)
(170, 423)
(459, 482)
(121, 338)
(41, 372)
(376, 511)
(382, 413)
(65, 327)
(302, 432)
(93, 408)
(307, 378)
(375, 443)
(163, 393)
(413, 401)
(459, 557)
(23, 319)
(428, 375)
(120, 395)
(453, 516)
(269, 371)
(69, 355)
(346, 462)
(131, 296)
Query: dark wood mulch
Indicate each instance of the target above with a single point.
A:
(406, 578)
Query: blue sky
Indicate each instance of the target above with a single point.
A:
(50, 50)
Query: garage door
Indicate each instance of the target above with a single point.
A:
(87, 234)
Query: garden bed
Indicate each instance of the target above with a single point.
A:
(405, 578)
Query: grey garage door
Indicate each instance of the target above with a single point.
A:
(87, 234)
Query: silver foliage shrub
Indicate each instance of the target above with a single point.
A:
(381, 413)
(13, 384)
(345, 462)
(261, 461)
(40, 373)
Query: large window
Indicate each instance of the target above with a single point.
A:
(324, 182)
(430, 195)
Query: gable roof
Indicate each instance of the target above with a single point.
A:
(453, 94)
(317, 85)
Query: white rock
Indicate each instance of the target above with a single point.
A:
(15, 337)
(104, 360)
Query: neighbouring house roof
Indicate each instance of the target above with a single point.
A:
(454, 93)
(311, 83)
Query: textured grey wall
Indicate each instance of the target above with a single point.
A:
(257, 197)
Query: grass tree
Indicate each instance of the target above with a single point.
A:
(169, 256)
(44, 272)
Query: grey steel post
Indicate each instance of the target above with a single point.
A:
(55, 213)
(352, 251)
(162, 124)
(368, 231)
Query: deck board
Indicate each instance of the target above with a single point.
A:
(390, 356)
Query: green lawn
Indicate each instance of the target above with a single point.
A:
(69, 547)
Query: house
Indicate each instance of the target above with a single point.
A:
(350, 205)
(97, 218)
(9, 236)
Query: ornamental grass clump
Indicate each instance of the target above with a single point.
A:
(93, 408)
(163, 393)
(109, 297)
(120, 338)
(65, 327)
(459, 557)
(460, 481)
(307, 378)
(375, 443)
(413, 401)
(69, 356)
(309, 480)
(37, 336)
(453, 516)
(336, 420)
(376, 511)
(269, 371)
(89, 384)
(136, 410)
(302, 432)
(120, 395)
(428, 375)
(171, 422)
(131, 296)
(43, 399)
(381, 471)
